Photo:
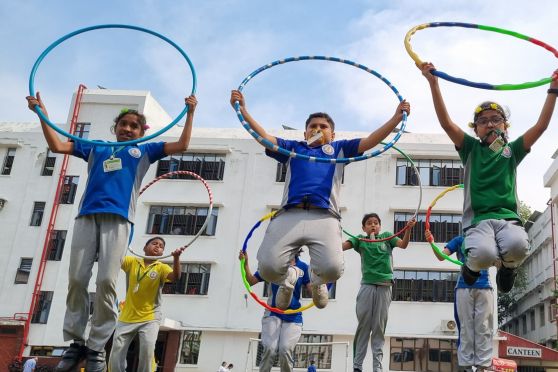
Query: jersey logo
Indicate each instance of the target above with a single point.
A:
(507, 153)
(153, 275)
(328, 149)
(135, 152)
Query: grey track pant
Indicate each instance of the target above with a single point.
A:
(107, 235)
(318, 229)
(123, 337)
(279, 338)
(474, 309)
(372, 306)
(493, 240)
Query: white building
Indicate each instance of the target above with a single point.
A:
(213, 319)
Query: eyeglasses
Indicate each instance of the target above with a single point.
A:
(496, 120)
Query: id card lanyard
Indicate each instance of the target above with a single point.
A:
(140, 276)
(113, 163)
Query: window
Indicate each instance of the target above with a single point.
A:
(37, 215)
(190, 350)
(524, 324)
(541, 315)
(8, 161)
(53, 351)
(208, 166)
(23, 271)
(180, 220)
(428, 286)
(422, 354)
(69, 189)
(40, 314)
(194, 280)
(444, 226)
(82, 130)
(432, 172)
(303, 354)
(48, 165)
(56, 245)
(532, 316)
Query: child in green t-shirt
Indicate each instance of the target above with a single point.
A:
(491, 223)
(374, 296)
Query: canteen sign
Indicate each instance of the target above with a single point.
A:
(525, 352)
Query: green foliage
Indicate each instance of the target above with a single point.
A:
(508, 301)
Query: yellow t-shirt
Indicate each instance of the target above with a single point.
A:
(143, 296)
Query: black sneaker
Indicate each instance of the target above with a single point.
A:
(95, 361)
(357, 370)
(469, 276)
(71, 358)
(505, 278)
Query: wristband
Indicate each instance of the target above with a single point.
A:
(552, 91)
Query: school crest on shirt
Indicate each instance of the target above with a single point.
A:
(506, 152)
(153, 275)
(135, 152)
(328, 149)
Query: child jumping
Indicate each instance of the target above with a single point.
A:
(374, 296)
(310, 207)
(141, 314)
(102, 226)
(491, 223)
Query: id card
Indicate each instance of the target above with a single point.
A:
(497, 144)
(111, 165)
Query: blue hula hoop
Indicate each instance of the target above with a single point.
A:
(97, 27)
(269, 145)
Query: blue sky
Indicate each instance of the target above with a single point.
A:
(228, 39)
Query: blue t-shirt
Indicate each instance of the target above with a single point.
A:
(312, 369)
(455, 246)
(295, 302)
(115, 192)
(314, 182)
(29, 365)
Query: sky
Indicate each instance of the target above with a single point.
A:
(228, 39)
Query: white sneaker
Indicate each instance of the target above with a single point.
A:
(320, 295)
(284, 294)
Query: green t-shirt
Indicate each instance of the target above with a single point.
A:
(375, 258)
(490, 184)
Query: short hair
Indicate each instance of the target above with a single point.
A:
(231, 365)
(141, 118)
(370, 215)
(156, 238)
(320, 115)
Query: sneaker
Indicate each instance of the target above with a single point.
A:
(505, 278)
(469, 276)
(95, 361)
(71, 358)
(320, 295)
(357, 370)
(284, 294)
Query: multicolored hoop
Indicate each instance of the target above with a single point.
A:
(247, 285)
(443, 75)
(202, 228)
(269, 145)
(417, 173)
(98, 27)
(427, 224)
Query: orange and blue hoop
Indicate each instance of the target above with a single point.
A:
(427, 224)
(443, 75)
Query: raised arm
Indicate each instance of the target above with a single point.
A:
(53, 141)
(347, 245)
(536, 131)
(237, 96)
(455, 133)
(429, 238)
(403, 243)
(379, 134)
(182, 144)
(250, 278)
(175, 275)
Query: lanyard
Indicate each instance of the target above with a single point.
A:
(139, 276)
(115, 151)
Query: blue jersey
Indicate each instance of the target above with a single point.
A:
(312, 182)
(455, 246)
(115, 192)
(295, 302)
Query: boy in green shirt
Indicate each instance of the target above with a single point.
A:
(374, 296)
(491, 223)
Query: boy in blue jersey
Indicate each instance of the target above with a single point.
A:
(280, 332)
(309, 212)
(102, 226)
(473, 312)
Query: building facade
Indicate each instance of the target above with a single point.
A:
(208, 316)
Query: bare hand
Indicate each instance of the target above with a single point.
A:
(412, 223)
(426, 69)
(554, 82)
(236, 96)
(242, 255)
(177, 252)
(428, 236)
(32, 102)
(192, 102)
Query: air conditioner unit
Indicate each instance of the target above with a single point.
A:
(448, 325)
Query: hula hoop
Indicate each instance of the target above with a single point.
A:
(417, 173)
(427, 224)
(91, 28)
(443, 75)
(269, 145)
(249, 287)
(202, 228)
